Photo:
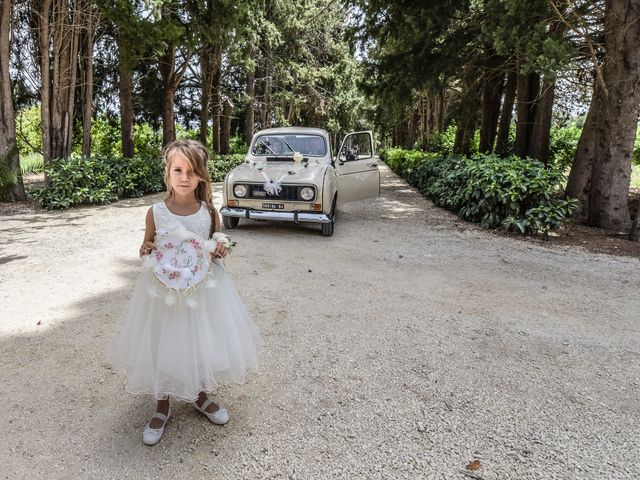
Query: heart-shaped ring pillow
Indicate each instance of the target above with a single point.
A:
(182, 258)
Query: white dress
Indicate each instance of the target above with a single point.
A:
(179, 350)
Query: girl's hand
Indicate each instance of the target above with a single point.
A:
(146, 248)
(220, 251)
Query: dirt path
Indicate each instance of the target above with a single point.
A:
(405, 346)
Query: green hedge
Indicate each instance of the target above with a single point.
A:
(101, 180)
(219, 165)
(512, 193)
(79, 180)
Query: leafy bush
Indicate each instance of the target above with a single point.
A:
(147, 141)
(106, 139)
(81, 180)
(404, 162)
(237, 146)
(29, 130)
(512, 193)
(562, 146)
(103, 180)
(183, 133)
(443, 142)
(219, 165)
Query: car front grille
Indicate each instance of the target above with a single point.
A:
(288, 192)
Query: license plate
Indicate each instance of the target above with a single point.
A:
(276, 206)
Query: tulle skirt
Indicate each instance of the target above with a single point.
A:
(177, 347)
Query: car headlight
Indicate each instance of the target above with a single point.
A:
(240, 191)
(307, 193)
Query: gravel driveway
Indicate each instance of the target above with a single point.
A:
(407, 345)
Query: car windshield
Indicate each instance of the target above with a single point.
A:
(285, 145)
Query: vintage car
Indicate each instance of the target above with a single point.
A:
(290, 174)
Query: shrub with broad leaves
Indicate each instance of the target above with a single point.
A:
(513, 193)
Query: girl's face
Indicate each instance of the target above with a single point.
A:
(182, 178)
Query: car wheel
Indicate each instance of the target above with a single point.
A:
(327, 228)
(230, 222)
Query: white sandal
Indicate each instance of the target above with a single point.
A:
(151, 436)
(219, 417)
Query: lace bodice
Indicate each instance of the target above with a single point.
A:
(198, 223)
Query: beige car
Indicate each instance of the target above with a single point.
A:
(290, 175)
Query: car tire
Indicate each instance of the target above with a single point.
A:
(230, 222)
(327, 228)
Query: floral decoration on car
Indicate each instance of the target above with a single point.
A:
(274, 187)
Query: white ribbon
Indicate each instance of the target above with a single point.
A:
(273, 188)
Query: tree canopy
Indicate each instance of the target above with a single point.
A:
(498, 74)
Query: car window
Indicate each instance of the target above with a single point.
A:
(287, 145)
(357, 147)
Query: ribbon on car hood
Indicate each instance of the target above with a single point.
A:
(272, 187)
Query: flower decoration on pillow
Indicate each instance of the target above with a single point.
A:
(182, 262)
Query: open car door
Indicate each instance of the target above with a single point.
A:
(357, 168)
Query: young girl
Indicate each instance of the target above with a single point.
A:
(183, 350)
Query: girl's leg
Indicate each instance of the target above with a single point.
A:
(162, 407)
(202, 397)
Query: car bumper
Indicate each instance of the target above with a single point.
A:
(296, 217)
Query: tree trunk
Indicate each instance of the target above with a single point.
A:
(502, 141)
(466, 118)
(168, 118)
(412, 127)
(8, 146)
(171, 77)
(75, 28)
(170, 82)
(491, 95)
(469, 133)
(65, 19)
(579, 181)
(250, 109)
(541, 132)
(207, 76)
(425, 124)
(527, 92)
(125, 68)
(464, 135)
(216, 97)
(87, 78)
(41, 17)
(617, 118)
(266, 97)
(225, 131)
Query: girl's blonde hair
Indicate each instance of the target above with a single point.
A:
(198, 158)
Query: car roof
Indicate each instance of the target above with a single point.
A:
(289, 130)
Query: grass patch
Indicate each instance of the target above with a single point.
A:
(31, 163)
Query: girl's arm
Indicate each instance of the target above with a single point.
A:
(149, 234)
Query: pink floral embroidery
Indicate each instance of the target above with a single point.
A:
(174, 275)
(168, 245)
(159, 255)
